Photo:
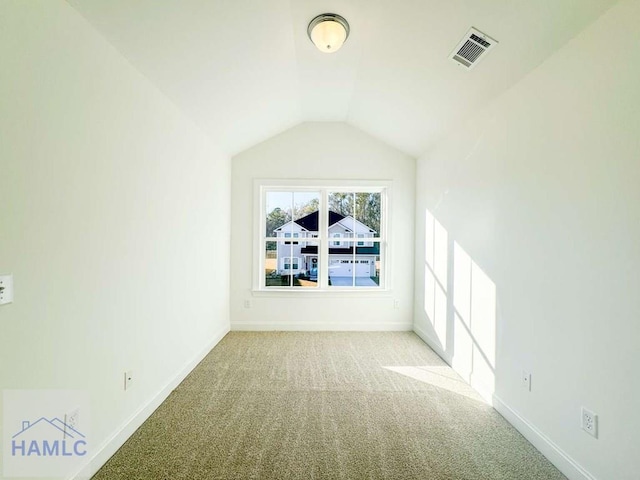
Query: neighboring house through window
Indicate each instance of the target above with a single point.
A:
(342, 229)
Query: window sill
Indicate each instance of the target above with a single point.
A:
(309, 293)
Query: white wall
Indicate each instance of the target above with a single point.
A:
(542, 191)
(322, 151)
(113, 218)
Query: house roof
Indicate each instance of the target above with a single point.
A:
(310, 222)
(246, 71)
(313, 250)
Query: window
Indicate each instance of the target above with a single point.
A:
(344, 237)
(290, 263)
(288, 235)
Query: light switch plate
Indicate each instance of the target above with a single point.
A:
(6, 289)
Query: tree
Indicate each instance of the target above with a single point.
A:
(304, 209)
(341, 203)
(363, 206)
(275, 219)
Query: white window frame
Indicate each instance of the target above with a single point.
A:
(323, 239)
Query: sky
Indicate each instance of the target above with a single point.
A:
(284, 200)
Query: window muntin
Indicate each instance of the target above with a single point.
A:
(333, 221)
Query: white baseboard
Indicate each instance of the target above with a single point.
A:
(563, 462)
(567, 465)
(485, 393)
(433, 344)
(129, 426)
(479, 385)
(321, 326)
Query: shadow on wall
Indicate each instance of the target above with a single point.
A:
(460, 305)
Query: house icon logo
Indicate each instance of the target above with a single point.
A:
(45, 433)
(48, 438)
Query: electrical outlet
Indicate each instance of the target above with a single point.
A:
(247, 304)
(6, 289)
(526, 380)
(71, 421)
(128, 379)
(589, 422)
(396, 304)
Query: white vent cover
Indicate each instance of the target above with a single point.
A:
(473, 48)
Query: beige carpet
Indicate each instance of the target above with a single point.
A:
(322, 405)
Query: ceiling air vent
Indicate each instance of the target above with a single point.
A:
(473, 48)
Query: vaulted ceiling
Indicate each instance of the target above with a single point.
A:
(245, 70)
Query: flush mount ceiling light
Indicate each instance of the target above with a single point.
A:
(328, 32)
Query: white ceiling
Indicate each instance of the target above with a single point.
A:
(245, 70)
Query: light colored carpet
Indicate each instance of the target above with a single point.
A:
(325, 405)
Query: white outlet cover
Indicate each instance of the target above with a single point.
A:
(128, 379)
(6, 291)
(72, 419)
(589, 422)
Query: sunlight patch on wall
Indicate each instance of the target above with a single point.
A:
(435, 276)
(470, 326)
(474, 329)
(462, 341)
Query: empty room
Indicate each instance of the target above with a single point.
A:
(319, 240)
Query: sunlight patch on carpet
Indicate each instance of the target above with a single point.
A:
(441, 377)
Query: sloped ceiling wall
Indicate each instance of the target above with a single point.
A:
(245, 70)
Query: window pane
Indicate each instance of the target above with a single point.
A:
(279, 206)
(341, 226)
(305, 207)
(359, 267)
(305, 217)
(286, 266)
(309, 272)
(367, 213)
(283, 207)
(272, 267)
(341, 202)
(376, 270)
(358, 212)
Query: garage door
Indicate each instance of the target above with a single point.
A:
(340, 268)
(363, 269)
(344, 268)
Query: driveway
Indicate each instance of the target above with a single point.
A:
(348, 282)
